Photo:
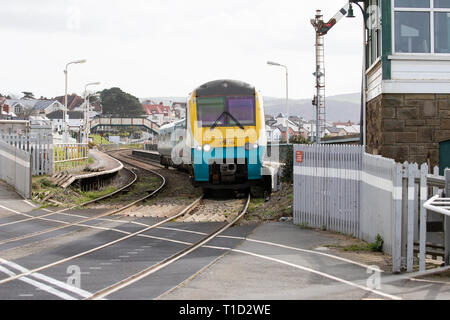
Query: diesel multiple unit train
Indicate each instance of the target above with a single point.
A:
(222, 140)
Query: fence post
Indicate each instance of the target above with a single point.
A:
(447, 219)
(423, 217)
(398, 215)
(412, 170)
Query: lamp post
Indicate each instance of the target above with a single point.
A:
(65, 99)
(363, 125)
(86, 110)
(270, 63)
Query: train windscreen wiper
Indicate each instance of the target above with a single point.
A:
(226, 113)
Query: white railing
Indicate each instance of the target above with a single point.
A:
(441, 205)
(70, 157)
(108, 122)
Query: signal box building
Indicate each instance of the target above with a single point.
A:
(408, 80)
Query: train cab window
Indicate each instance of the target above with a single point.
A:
(243, 109)
(217, 111)
(209, 110)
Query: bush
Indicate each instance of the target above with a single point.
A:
(288, 169)
(45, 183)
(377, 246)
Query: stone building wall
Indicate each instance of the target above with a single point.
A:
(408, 127)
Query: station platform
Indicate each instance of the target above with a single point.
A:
(104, 165)
(150, 155)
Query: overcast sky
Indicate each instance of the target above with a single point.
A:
(169, 47)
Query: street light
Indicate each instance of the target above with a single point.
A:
(86, 110)
(65, 99)
(275, 64)
(363, 124)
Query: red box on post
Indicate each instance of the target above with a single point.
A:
(299, 156)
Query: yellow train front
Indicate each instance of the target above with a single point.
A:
(226, 135)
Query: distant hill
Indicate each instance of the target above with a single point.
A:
(343, 107)
(339, 108)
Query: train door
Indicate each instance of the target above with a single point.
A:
(444, 156)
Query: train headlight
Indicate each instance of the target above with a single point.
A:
(249, 146)
(199, 148)
(207, 148)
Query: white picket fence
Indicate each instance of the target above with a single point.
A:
(48, 158)
(343, 189)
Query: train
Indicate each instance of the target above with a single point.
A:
(222, 140)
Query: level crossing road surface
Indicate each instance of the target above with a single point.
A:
(267, 261)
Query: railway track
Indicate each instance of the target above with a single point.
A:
(83, 221)
(133, 181)
(170, 260)
(151, 269)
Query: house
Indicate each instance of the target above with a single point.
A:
(342, 124)
(273, 134)
(47, 106)
(95, 109)
(407, 111)
(352, 130)
(5, 110)
(179, 110)
(334, 132)
(158, 113)
(73, 101)
(19, 106)
(34, 106)
(57, 120)
(74, 119)
(281, 120)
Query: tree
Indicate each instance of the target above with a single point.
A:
(118, 103)
(27, 95)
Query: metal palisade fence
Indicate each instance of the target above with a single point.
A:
(326, 181)
(344, 189)
(15, 168)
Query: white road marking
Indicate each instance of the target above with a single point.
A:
(40, 285)
(106, 264)
(280, 246)
(29, 295)
(323, 274)
(132, 252)
(30, 203)
(431, 281)
(124, 257)
(95, 268)
(13, 211)
(62, 285)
